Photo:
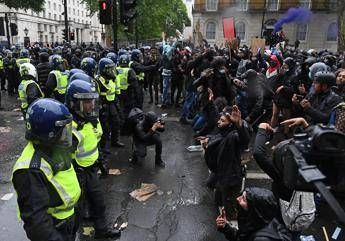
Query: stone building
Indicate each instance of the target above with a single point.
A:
(252, 17)
(47, 26)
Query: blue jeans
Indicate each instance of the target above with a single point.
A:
(166, 99)
(189, 103)
(198, 122)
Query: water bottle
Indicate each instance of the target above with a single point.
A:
(307, 238)
(195, 148)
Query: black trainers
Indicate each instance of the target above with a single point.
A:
(107, 233)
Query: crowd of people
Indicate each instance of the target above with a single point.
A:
(82, 99)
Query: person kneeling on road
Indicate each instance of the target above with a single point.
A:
(146, 134)
(258, 218)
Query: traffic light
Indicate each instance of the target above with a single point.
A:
(127, 11)
(71, 36)
(14, 29)
(64, 35)
(105, 7)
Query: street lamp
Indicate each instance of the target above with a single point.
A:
(26, 31)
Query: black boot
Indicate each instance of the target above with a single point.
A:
(159, 162)
(107, 233)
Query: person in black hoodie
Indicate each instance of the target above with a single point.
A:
(43, 70)
(258, 218)
(283, 92)
(232, 137)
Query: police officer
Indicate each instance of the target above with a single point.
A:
(24, 57)
(109, 115)
(128, 83)
(89, 66)
(44, 178)
(28, 90)
(57, 79)
(82, 100)
(137, 65)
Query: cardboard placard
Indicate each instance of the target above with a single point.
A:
(256, 44)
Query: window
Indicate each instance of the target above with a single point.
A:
(242, 5)
(73, 11)
(60, 17)
(54, 6)
(211, 5)
(49, 4)
(59, 8)
(56, 29)
(54, 16)
(332, 32)
(333, 4)
(211, 30)
(272, 5)
(240, 28)
(45, 27)
(50, 15)
(305, 3)
(301, 33)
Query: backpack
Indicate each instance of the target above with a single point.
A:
(299, 213)
(338, 117)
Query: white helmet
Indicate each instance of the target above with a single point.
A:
(28, 70)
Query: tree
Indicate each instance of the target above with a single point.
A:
(36, 5)
(153, 18)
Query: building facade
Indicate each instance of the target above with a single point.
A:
(188, 31)
(252, 17)
(47, 26)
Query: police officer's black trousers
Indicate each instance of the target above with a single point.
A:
(68, 227)
(153, 81)
(11, 83)
(2, 80)
(92, 193)
(140, 151)
(140, 97)
(110, 121)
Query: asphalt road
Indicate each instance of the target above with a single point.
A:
(183, 208)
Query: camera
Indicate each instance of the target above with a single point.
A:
(315, 155)
(161, 121)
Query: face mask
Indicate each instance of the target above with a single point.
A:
(222, 71)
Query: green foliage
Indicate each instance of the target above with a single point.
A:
(153, 17)
(91, 5)
(36, 5)
(156, 16)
